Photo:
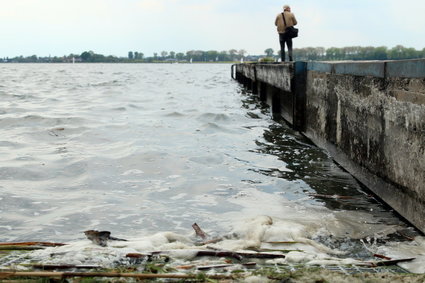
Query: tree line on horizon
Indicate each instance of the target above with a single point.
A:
(354, 53)
(301, 54)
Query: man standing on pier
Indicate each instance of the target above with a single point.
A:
(284, 20)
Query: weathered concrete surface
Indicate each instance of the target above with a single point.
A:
(370, 116)
(276, 75)
(375, 127)
(276, 84)
(246, 70)
(406, 69)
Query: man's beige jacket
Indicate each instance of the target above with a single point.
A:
(290, 21)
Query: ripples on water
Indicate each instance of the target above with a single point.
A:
(139, 149)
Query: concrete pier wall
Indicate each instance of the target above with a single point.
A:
(369, 115)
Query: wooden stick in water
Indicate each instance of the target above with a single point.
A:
(199, 231)
(207, 267)
(332, 196)
(239, 255)
(44, 244)
(64, 266)
(61, 275)
(282, 242)
(20, 248)
(382, 256)
(219, 253)
(390, 262)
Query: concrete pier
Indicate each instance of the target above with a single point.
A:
(369, 115)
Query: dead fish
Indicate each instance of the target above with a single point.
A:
(100, 237)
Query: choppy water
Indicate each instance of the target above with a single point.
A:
(141, 149)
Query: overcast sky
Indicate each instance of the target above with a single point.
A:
(114, 27)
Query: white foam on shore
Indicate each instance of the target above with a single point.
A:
(286, 225)
(254, 233)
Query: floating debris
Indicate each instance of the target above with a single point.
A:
(63, 275)
(100, 237)
(390, 262)
(27, 246)
(176, 252)
(331, 196)
(199, 231)
(64, 266)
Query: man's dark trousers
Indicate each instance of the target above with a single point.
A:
(283, 39)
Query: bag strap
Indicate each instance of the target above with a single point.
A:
(284, 21)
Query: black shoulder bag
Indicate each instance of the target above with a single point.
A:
(290, 32)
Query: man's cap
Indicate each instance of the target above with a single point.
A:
(286, 7)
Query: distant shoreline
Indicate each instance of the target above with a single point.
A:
(353, 53)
